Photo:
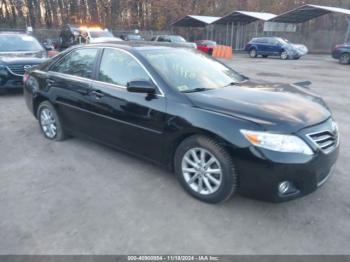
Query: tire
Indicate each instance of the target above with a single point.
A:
(344, 59)
(296, 58)
(284, 55)
(47, 114)
(265, 56)
(253, 53)
(222, 183)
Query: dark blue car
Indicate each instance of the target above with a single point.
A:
(342, 52)
(275, 46)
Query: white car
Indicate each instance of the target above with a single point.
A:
(98, 35)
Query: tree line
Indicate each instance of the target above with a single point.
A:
(132, 14)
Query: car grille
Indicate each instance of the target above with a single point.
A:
(327, 140)
(17, 69)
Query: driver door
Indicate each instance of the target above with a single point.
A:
(131, 121)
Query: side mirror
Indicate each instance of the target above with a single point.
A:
(47, 46)
(141, 86)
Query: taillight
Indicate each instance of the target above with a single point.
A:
(25, 77)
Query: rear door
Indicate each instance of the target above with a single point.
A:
(69, 84)
(132, 121)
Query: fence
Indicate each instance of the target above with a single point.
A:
(318, 41)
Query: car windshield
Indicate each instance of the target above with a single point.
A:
(283, 41)
(187, 70)
(18, 43)
(100, 33)
(209, 43)
(177, 39)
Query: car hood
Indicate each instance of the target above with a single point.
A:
(298, 48)
(21, 58)
(279, 107)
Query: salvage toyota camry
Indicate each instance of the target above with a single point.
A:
(219, 131)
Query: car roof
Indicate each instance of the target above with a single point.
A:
(134, 45)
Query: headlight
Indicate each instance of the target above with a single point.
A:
(277, 142)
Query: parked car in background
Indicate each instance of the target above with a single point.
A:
(206, 46)
(342, 53)
(132, 37)
(275, 46)
(219, 131)
(75, 34)
(176, 39)
(18, 52)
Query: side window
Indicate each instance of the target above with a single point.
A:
(119, 68)
(273, 41)
(78, 63)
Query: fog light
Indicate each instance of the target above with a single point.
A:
(283, 187)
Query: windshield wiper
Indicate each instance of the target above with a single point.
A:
(199, 89)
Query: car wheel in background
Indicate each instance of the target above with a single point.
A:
(344, 59)
(284, 55)
(253, 53)
(265, 56)
(49, 121)
(205, 169)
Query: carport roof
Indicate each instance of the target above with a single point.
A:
(307, 12)
(195, 21)
(244, 17)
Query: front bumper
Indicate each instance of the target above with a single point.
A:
(260, 178)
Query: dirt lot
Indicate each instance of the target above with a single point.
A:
(78, 197)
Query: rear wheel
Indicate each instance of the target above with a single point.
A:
(344, 59)
(50, 122)
(284, 55)
(253, 53)
(205, 169)
(265, 56)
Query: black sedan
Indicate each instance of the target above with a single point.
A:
(18, 52)
(219, 131)
(342, 53)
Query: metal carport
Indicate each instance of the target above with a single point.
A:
(196, 22)
(308, 12)
(237, 33)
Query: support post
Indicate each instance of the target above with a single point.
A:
(226, 37)
(347, 32)
(232, 34)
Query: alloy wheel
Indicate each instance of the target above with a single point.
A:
(48, 123)
(284, 55)
(201, 171)
(345, 59)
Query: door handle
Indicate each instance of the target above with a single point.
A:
(97, 94)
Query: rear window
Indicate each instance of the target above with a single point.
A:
(18, 43)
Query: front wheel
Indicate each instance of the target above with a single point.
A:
(205, 169)
(284, 55)
(344, 59)
(50, 123)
